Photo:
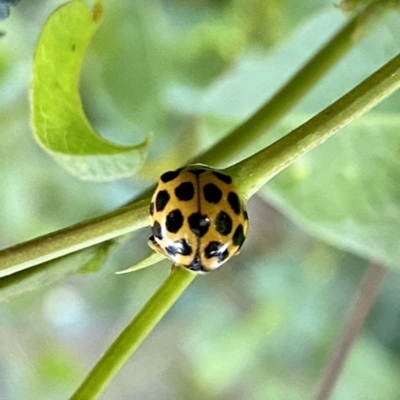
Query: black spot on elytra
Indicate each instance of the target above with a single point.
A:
(223, 223)
(216, 249)
(182, 247)
(170, 175)
(238, 236)
(151, 209)
(234, 202)
(162, 199)
(212, 249)
(174, 221)
(156, 229)
(212, 193)
(199, 224)
(185, 191)
(245, 215)
(222, 177)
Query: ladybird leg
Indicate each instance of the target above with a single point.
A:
(152, 241)
(173, 266)
(155, 246)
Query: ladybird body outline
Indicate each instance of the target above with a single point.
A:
(197, 218)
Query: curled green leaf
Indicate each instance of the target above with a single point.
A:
(59, 122)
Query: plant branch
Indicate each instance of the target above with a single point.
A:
(50, 272)
(362, 304)
(74, 238)
(297, 87)
(134, 334)
(253, 172)
(249, 174)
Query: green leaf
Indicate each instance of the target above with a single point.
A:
(347, 190)
(59, 122)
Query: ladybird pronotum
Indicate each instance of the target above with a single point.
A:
(197, 218)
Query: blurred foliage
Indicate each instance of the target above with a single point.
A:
(262, 326)
(5, 8)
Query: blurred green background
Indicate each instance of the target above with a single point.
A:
(262, 326)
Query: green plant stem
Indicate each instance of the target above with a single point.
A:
(250, 174)
(48, 273)
(128, 219)
(74, 238)
(134, 334)
(253, 172)
(297, 87)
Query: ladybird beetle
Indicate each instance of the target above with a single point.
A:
(197, 218)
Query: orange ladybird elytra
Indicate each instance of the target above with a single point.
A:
(197, 218)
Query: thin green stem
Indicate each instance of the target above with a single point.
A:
(134, 334)
(74, 238)
(253, 172)
(50, 272)
(296, 88)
